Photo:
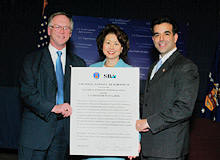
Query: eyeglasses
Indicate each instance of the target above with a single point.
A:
(58, 28)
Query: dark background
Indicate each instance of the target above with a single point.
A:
(20, 20)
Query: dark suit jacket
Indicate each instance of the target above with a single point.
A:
(38, 88)
(168, 104)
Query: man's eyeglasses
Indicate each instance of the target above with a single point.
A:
(57, 27)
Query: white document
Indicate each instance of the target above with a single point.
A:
(105, 104)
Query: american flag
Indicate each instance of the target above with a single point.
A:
(43, 38)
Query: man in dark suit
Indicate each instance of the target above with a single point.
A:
(170, 94)
(46, 95)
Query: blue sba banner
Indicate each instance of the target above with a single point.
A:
(86, 29)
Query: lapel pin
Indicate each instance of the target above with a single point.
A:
(164, 70)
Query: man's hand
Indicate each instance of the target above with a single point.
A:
(142, 125)
(65, 109)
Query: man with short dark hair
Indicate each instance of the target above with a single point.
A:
(170, 94)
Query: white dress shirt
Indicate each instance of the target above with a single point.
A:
(54, 55)
(164, 58)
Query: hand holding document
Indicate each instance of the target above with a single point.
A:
(105, 107)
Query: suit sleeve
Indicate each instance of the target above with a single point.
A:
(30, 91)
(186, 88)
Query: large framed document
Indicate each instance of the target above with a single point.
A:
(105, 107)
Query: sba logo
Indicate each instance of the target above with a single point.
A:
(96, 75)
(109, 76)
